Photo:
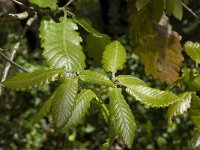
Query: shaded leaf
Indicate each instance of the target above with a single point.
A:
(178, 9)
(129, 80)
(141, 3)
(64, 101)
(193, 50)
(152, 97)
(83, 23)
(80, 110)
(24, 81)
(45, 108)
(114, 57)
(179, 107)
(45, 3)
(194, 85)
(94, 77)
(170, 7)
(62, 45)
(157, 45)
(95, 47)
(122, 120)
(158, 9)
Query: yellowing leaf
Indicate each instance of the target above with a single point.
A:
(114, 57)
(157, 46)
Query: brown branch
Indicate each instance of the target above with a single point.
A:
(15, 48)
(12, 62)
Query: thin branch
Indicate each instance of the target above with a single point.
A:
(12, 62)
(190, 10)
(20, 16)
(15, 48)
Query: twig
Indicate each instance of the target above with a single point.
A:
(12, 62)
(15, 48)
(190, 10)
(20, 16)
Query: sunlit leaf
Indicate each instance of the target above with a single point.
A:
(179, 107)
(152, 97)
(122, 120)
(114, 57)
(95, 47)
(157, 46)
(94, 77)
(45, 108)
(193, 50)
(62, 45)
(129, 80)
(194, 111)
(25, 81)
(195, 142)
(64, 101)
(45, 3)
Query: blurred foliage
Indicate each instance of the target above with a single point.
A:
(18, 109)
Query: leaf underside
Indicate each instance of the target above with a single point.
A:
(64, 101)
(157, 46)
(25, 81)
(122, 121)
(61, 45)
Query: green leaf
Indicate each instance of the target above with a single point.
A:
(129, 80)
(96, 52)
(193, 50)
(141, 3)
(114, 57)
(170, 6)
(152, 97)
(179, 107)
(122, 120)
(84, 23)
(45, 108)
(195, 111)
(158, 9)
(45, 3)
(178, 9)
(93, 77)
(24, 81)
(194, 85)
(62, 45)
(64, 101)
(80, 110)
